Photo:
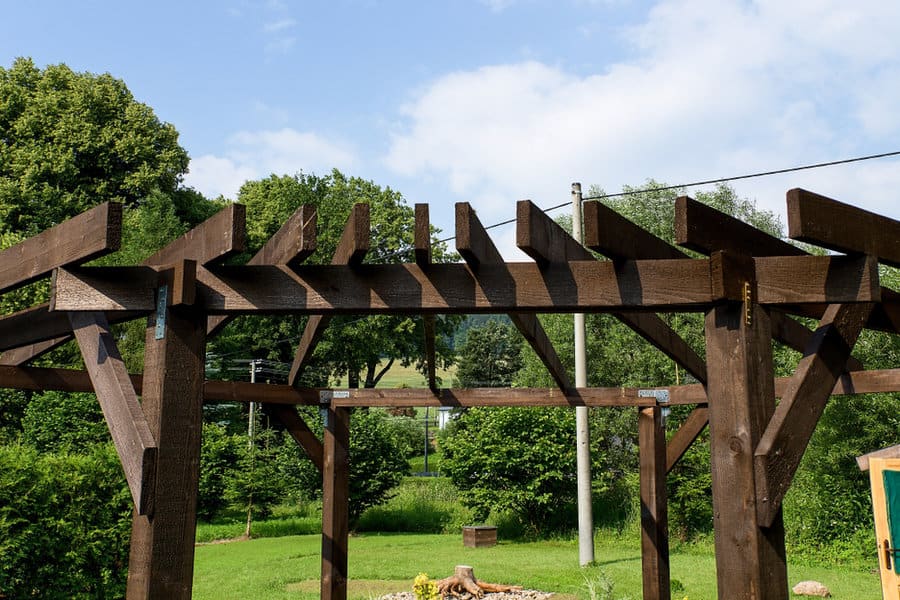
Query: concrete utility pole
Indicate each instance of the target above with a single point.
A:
(582, 429)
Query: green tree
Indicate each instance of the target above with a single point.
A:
(377, 461)
(73, 140)
(351, 346)
(520, 460)
(489, 356)
(65, 522)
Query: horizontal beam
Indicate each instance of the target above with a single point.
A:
(78, 240)
(215, 239)
(70, 380)
(578, 286)
(837, 226)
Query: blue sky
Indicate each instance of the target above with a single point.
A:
(492, 101)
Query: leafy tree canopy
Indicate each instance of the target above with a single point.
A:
(69, 141)
(354, 346)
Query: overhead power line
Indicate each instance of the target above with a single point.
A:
(706, 182)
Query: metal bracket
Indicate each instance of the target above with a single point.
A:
(162, 299)
(747, 296)
(662, 397)
(325, 398)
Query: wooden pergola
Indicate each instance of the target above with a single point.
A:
(749, 287)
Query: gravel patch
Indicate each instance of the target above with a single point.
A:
(519, 595)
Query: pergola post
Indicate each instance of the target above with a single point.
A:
(654, 504)
(161, 564)
(750, 559)
(335, 503)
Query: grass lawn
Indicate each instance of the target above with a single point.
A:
(288, 567)
(400, 376)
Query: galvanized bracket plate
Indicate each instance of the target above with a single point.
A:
(162, 299)
(662, 396)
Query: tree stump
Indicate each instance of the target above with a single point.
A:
(462, 584)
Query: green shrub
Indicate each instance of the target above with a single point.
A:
(65, 523)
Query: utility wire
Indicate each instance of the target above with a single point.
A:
(706, 182)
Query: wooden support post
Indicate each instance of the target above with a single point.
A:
(750, 560)
(335, 504)
(162, 545)
(654, 504)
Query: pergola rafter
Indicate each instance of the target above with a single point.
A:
(749, 286)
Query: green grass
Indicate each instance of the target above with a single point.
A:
(400, 376)
(288, 567)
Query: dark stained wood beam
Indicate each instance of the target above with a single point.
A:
(545, 241)
(222, 235)
(131, 435)
(78, 240)
(335, 504)
(71, 380)
(750, 558)
(351, 251)
(787, 434)
(611, 234)
(654, 504)
(422, 244)
(478, 250)
(837, 226)
(161, 562)
(579, 286)
(299, 430)
(214, 240)
(705, 229)
(293, 243)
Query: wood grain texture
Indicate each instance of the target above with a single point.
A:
(335, 504)
(797, 279)
(477, 249)
(837, 226)
(422, 235)
(750, 559)
(654, 505)
(78, 240)
(705, 230)
(70, 380)
(131, 435)
(611, 234)
(351, 250)
(578, 286)
(215, 239)
(161, 562)
(787, 434)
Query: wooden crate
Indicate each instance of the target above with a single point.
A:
(479, 536)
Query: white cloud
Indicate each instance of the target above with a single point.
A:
(279, 25)
(498, 5)
(714, 89)
(257, 154)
